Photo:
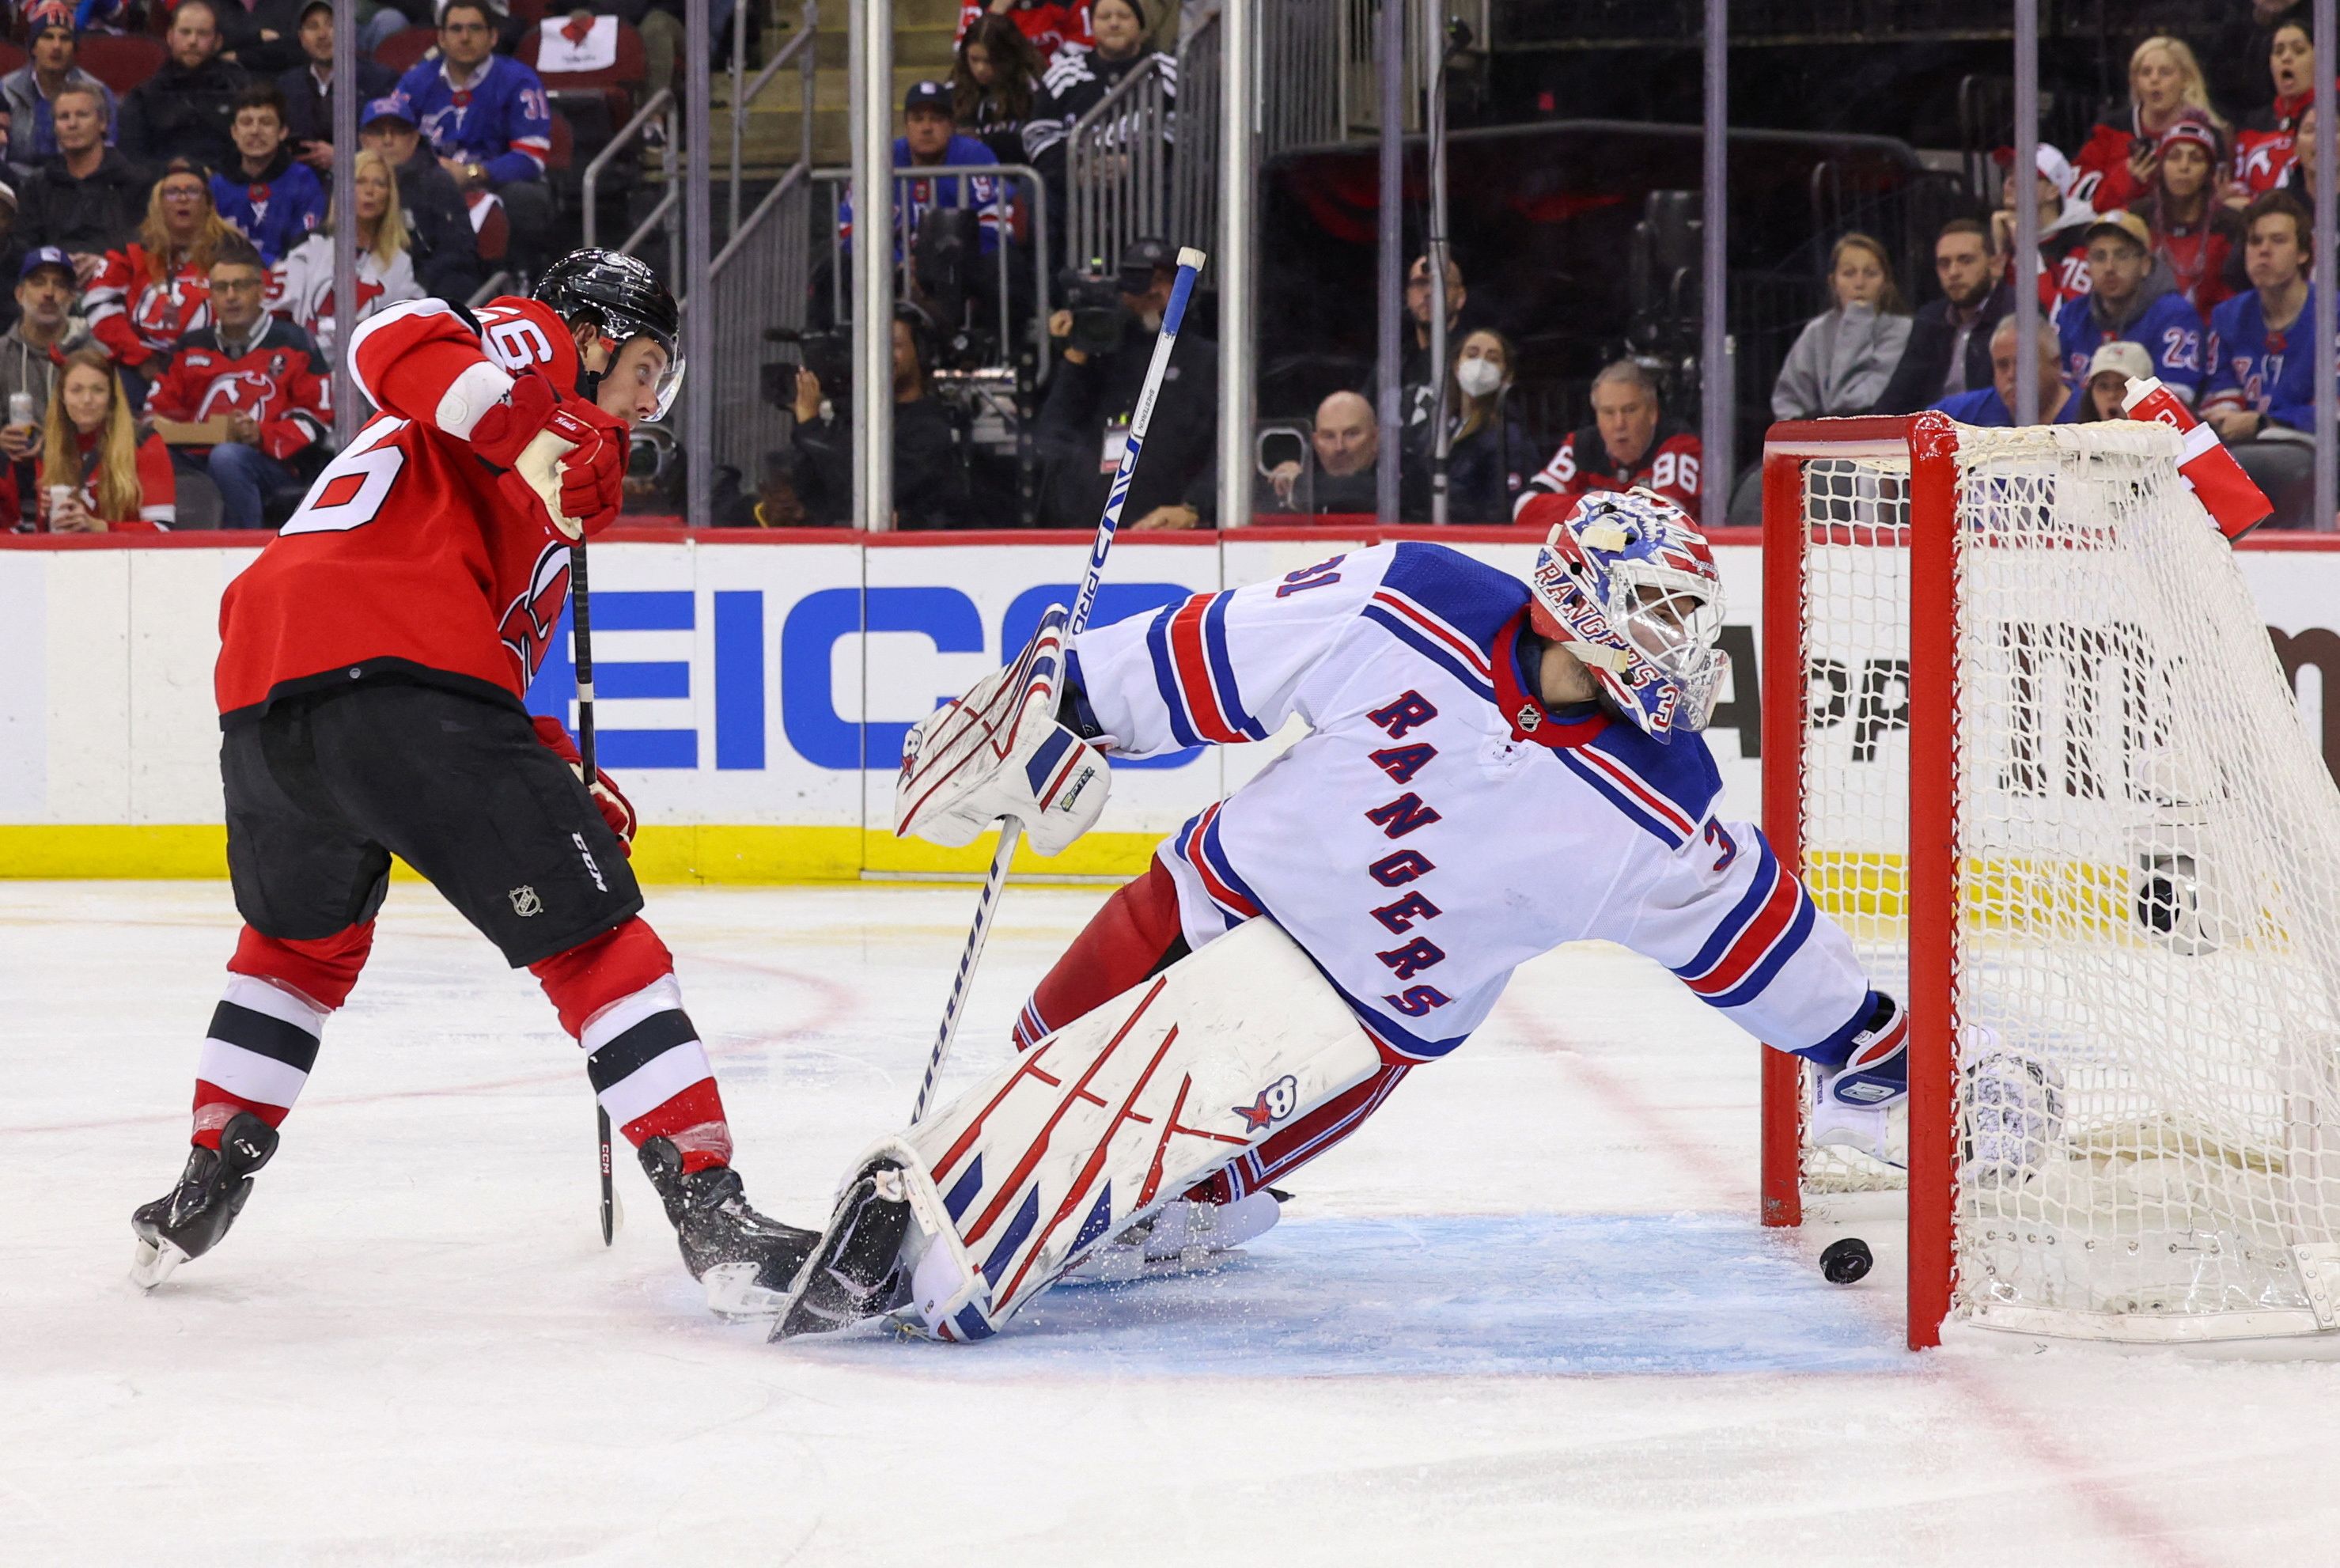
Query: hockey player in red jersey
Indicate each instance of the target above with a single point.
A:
(372, 666)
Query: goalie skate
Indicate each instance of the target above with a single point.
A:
(1186, 1237)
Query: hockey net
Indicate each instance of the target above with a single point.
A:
(2049, 775)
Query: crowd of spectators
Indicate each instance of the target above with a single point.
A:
(2174, 244)
(168, 241)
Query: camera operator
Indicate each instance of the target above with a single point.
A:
(1108, 338)
(930, 481)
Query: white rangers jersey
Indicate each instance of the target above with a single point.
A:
(1437, 826)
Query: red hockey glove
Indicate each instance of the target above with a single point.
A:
(505, 430)
(615, 808)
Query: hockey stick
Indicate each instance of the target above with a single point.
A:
(581, 636)
(1190, 263)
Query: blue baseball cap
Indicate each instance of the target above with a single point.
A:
(46, 256)
(934, 95)
(393, 108)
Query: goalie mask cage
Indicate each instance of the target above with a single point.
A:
(2048, 773)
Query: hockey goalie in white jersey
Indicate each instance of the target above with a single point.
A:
(1492, 767)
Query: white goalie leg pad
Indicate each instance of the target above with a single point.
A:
(998, 752)
(1112, 1117)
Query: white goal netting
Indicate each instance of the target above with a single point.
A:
(2147, 949)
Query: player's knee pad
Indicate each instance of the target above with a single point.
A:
(320, 969)
(1114, 1116)
(600, 973)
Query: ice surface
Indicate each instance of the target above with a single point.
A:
(1522, 1318)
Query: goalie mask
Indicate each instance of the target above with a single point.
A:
(1628, 583)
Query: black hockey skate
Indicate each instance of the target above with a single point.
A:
(211, 1190)
(742, 1259)
(857, 1273)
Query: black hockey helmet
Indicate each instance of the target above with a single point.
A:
(622, 297)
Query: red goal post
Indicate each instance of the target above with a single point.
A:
(2029, 744)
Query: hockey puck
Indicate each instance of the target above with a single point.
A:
(1846, 1261)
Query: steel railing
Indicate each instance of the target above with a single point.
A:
(1117, 160)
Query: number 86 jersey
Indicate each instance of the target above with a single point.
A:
(406, 560)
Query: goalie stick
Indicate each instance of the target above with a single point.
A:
(1190, 263)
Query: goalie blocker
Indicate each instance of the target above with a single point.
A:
(955, 1224)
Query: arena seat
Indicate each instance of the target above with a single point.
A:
(121, 60)
(404, 49)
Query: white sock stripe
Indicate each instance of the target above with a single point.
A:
(261, 997)
(661, 995)
(249, 1075)
(656, 1081)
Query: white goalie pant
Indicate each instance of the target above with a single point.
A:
(1109, 1119)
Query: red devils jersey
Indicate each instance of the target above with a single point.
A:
(275, 378)
(1582, 466)
(406, 560)
(136, 317)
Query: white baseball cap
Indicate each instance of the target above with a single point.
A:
(2129, 359)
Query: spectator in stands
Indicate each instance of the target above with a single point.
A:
(1413, 362)
(301, 289)
(93, 473)
(993, 84)
(263, 377)
(2298, 181)
(1994, 405)
(659, 22)
(1629, 442)
(487, 118)
(1949, 351)
(30, 88)
(44, 302)
(12, 248)
(2260, 396)
(2132, 296)
(2109, 373)
(930, 475)
(1490, 456)
(1348, 445)
(1077, 79)
(1845, 355)
(2062, 269)
(263, 37)
(186, 109)
(2114, 168)
(2192, 233)
(930, 140)
(1085, 422)
(438, 229)
(268, 198)
(308, 89)
(155, 291)
(87, 199)
(2263, 144)
(1046, 26)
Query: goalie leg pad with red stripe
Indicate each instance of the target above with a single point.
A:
(1108, 1119)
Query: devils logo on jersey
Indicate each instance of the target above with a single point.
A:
(528, 622)
(235, 392)
(171, 309)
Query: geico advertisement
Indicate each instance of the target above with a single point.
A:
(770, 684)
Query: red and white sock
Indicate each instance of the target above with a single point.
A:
(617, 995)
(264, 1033)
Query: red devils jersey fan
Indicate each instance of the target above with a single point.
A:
(1629, 445)
(371, 663)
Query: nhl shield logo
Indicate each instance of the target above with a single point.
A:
(525, 902)
(1530, 717)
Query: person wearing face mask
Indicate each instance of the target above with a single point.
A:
(1844, 356)
(1490, 455)
(1084, 424)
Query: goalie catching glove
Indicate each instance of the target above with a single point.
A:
(1000, 751)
